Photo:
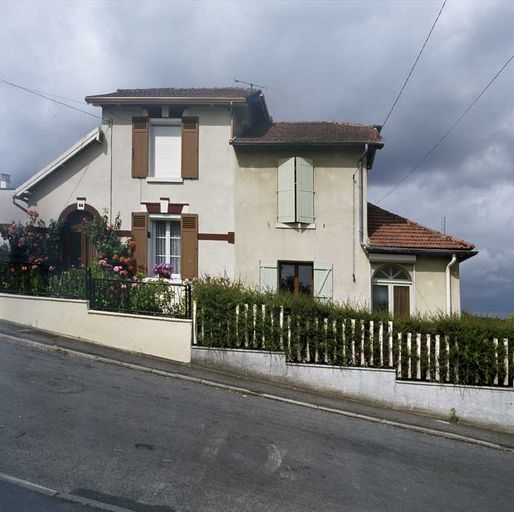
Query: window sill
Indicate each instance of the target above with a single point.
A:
(157, 179)
(294, 225)
(175, 279)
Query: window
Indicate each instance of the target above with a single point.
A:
(165, 148)
(295, 277)
(391, 289)
(166, 243)
(295, 193)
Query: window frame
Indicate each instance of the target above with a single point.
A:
(152, 252)
(296, 263)
(390, 284)
(157, 121)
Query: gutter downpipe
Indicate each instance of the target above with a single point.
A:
(361, 205)
(449, 284)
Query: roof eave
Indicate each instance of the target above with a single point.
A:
(463, 254)
(147, 100)
(95, 135)
(236, 142)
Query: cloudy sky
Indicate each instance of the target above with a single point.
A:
(320, 61)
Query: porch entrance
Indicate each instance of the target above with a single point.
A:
(77, 248)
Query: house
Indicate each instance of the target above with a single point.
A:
(206, 180)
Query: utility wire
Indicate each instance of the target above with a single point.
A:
(413, 66)
(80, 102)
(31, 91)
(47, 95)
(447, 133)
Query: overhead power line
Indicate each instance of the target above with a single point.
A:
(414, 65)
(36, 93)
(447, 133)
(46, 96)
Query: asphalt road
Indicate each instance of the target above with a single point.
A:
(14, 498)
(154, 444)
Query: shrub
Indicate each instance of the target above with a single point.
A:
(323, 332)
(33, 242)
(112, 252)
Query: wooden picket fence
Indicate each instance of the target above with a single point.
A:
(358, 343)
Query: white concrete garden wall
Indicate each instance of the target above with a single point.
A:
(169, 338)
(493, 407)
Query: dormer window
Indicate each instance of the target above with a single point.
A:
(165, 155)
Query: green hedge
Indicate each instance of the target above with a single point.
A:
(322, 333)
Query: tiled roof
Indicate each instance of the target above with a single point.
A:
(386, 229)
(309, 132)
(171, 92)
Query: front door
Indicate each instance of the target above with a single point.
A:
(401, 300)
(77, 248)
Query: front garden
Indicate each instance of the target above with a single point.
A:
(112, 283)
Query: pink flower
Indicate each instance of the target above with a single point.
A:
(111, 287)
(13, 270)
(102, 263)
(24, 268)
(21, 241)
(117, 268)
(134, 285)
(123, 286)
(123, 272)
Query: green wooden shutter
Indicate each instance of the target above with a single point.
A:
(286, 191)
(323, 280)
(268, 275)
(304, 190)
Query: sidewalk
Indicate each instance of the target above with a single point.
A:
(206, 376)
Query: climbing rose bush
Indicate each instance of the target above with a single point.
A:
(32, 242)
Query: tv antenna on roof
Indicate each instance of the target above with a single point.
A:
(249, 83)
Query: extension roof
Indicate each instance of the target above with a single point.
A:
(94, 136)
(387, 230)
(313, 133)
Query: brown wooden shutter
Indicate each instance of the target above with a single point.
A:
(140, 236)
(189, 245)
(190, 147)
(140, 134)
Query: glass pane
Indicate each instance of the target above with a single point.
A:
(286, 277)
(391, 272)
(305, 279)
(380, 297)
(175, 261)
(160, 242)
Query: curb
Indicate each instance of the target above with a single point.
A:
(237, 389)
(63, 496)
